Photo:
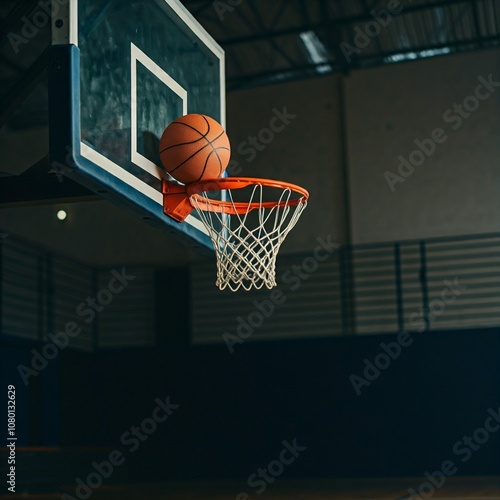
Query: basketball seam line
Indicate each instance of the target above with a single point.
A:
(204, 167)
(195, 153)
(202, 136)
(214, 150)
(192, 128)
(182, 144)
(209, 143)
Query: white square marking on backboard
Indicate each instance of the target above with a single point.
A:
(138, 159)
(71, 35)
(209, 42)
(137, 55)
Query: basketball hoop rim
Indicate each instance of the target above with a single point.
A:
(233, 208)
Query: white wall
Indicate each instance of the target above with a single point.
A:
(457, 189)
(307, 152)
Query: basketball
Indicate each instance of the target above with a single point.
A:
(193, 148)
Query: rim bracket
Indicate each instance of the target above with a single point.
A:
(176, 202)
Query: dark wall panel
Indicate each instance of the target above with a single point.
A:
(11, 356)
(235, 410)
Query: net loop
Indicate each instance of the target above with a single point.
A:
(247, 235)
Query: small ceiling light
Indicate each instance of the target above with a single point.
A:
(421, 54)
(317, 51)
(62, 215)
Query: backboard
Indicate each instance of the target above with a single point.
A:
(119, 73)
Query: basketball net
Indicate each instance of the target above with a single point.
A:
(248, 235)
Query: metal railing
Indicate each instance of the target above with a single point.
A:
(439, 283)
(41, 292)
(436, 284)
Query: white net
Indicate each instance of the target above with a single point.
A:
(247, 240)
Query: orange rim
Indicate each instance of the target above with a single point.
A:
(223, 183)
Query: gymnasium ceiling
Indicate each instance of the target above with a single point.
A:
(280, 40)
(273, 41)
(266, 42)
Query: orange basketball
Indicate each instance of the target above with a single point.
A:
(193, 148)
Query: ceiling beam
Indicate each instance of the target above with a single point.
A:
(22, 9)
(41, 190)
(22, 88)
(361, 61)
(328, 23)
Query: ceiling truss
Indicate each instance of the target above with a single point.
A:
(280, 40)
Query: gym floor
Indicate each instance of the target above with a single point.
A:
(477, 488)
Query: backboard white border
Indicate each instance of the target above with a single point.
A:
(134, 182)
(65, 22)
(199, 31)
(67, 33)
